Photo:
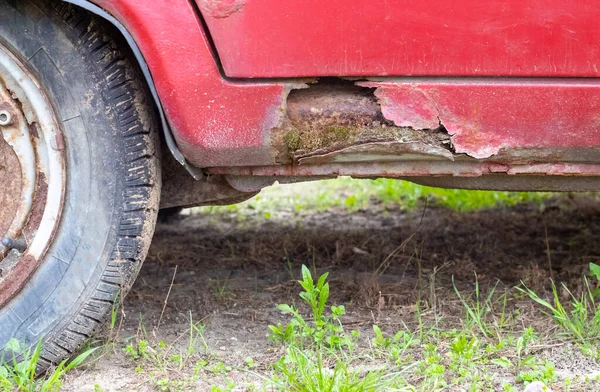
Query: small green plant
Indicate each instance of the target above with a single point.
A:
(250, 363)
(229, 388)
(538, 371)
(379, 341)
(98, 388)
(165, 357)
(579, 318)
(478, 309)
(219, 368)
(582, 321)
(141, 349)
(464, 348)
(220, 287)
(131, 351)
(196, 337)
(307, 370)
(527, 337)
(19, 374)
(395, 346)
(319, 351)
(502, 362)
(164, 363)
(595, 272)
(323, 329)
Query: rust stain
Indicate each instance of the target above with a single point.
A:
(221, 8)
(324, 105)
(10, 185)
(17, 268)
(19, 275)
(383, 129)
(33, 130)
(277, 118)
(37, 209)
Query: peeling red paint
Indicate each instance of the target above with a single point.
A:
(220, 8)
(406, 107)
(486, 117)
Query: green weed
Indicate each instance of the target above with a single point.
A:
(220, 287)
(165, 362)
(478, 309)
(323, 328)
(308, 371)
(19, 373)
(396, 347)
(319, 350)
(581, 321)
(464, 348)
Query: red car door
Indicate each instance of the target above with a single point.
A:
(289, 38)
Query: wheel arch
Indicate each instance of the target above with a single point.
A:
(141, 62)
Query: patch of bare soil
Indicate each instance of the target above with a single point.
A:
(232, 274)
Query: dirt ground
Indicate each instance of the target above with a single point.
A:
(231, 273)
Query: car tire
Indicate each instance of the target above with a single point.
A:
(112, 186)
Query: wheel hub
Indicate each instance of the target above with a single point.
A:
(10, 184)
(32, 174)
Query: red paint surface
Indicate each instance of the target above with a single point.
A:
(214, 121)
(267, 38)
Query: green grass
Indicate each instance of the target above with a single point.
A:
(479, 310)
(578, 315)
(319, 350)
(408, 195)
(489, 348)
(321, 355)
(356, 194)
(19, 373)
(171, 367)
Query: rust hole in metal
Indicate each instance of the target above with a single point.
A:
(334, 120)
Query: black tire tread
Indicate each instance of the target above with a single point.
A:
(128, 100)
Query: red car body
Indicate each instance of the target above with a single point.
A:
(514, 84)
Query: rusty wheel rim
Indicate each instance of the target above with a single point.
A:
(32, 174)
